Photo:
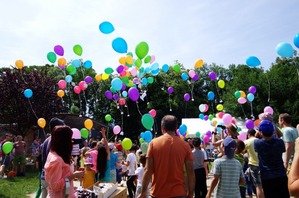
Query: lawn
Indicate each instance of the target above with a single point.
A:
(19, 186)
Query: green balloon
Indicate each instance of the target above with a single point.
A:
(7, 147)
(108, 70)
(211, 117)
(138, 62)
(197, 134)
(147, 59)
(177, 68)
(130, 54)
(147, 121)
(141, 140)
(150, 80)
(112, 90)
(78, 49)
(239, 129)
(71, 69)
(127, 143)
(141, 50)
(51, 57)
(237, 94)
(108, 117)
(84, 133)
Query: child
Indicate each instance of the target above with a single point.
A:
(239, 156)
(89, 174)
(139, 172)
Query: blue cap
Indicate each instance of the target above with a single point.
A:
(266, 127)
(230, 146)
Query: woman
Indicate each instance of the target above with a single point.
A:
(58, 171)
(103, 159)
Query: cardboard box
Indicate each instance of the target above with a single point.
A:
(121, 192)
(104, 190)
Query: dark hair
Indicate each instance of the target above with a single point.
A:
(102, 161)
(134, 147)
(55, 122)
(251, 132)
(61, 142)
(169, 123)
(240, 146)
(142, 159)
(286, 118)
(93, 144)
(196, 142)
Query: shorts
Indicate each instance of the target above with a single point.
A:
(19, 159)
(255, 175)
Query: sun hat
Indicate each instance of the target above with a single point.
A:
(88, 161)
(230, 146)
(266, 127)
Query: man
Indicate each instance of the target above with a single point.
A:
(253, 163)
(166, 157)
(19, 156)
(289, 137)
(228, 172)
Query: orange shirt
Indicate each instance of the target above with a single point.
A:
(169, 154)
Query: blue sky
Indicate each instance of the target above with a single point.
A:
(221, 32)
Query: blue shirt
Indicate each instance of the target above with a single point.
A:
(113, 161)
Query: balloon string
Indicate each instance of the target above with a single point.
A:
(243, 110)
(138, 108)
(269, 88)
(251, 107)
(169, 102)
(84, 96)
(186, 109)
(128, 113)
(220, 100)
(80, 104)
(32, 109)
(22, 76)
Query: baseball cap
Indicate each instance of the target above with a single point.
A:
(266, 127)
(230, 146)
(111, 145)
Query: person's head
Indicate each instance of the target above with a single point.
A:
(88, 163)
(134, 148)
(169, 124)
(55, 122)
(284, 119)
(251, 132)
(111, 146)
(266, 116)
(85, 143)
(142, 159)
(196, 142)
(232, 130)
(230, 146)
(102, 161)
(19, 138)
(240, 146)
(266, 128)
(8, 136)
(61, 142)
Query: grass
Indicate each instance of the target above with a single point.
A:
(19, 186)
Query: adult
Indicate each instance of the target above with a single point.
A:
(19, 156)
(5, 157)
(45, 149)
(131, 164)
(103, 159)
(58, 170)
(253, 163)
(113, 163)
(290, 134)
(273, 173)
(166, 157)
(228, 172)
(293, 181)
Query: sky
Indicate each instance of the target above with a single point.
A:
(220, 32)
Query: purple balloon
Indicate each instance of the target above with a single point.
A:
(108, 94)
(252, 89)
(249, 124)
(58, 49)
(120, 69)
(170, 90)
(135, 81)
(123, 87)
(88, 79)
(133, 94)
(209, 133)
(212, 75)
(115, 96)
(206, 117)
(187, 97)
(195, 77)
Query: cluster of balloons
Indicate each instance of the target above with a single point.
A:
(242, 98)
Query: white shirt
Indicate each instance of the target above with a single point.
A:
(139, 172)
(133, 163)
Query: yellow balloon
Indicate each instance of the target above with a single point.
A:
(221, 84)
(130, 84)
(129, 60)
(61, 61)
(122, 60)
(88, 124)
(19, 64)
(198, 64)
(105, 76)
(219, 107)
(98, 77)
(41, 122)
(243, 94)
(60, 93)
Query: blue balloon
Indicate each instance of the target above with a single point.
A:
(253, 61)
(76, 63)
(201, 116)
(116, 84)
(68, 78)
(124, 93)
(148, 70)
(28, 93)
(165, 68)
(183, 129)
(285, 50)
(147, 136)
(144, 81)
(296, 40)
(184, 76)
(155, 66)
(106, 27)
(87, 64)
(120, 45)
(211, 95)
(155, 72)
(250, 97)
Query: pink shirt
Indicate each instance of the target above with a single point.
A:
(56, 170)
(94, 156)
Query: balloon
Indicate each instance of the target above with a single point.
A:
(153, 113)
(211, 117)
(76, 133)
(220, 115)
(71, 69)
(269, 110)
(242, 100)
(206, 139)
(133, 94)
(147, 59)
(77, 89)
(98, 77)
(249, 124)
(106, 27)
(119, 45)
(147, 121)
(62, 84)
(197, 134)
(191, 73)
(243, 95)
(87, 64)
(84, 133)
(201, 116)
(88, 124)
(184, 76)
(115, 96)
(28, 93)
(78, 49)
(177, 68)
(211, 95)
(141, 140)
(170, 90)
(108, 117)
(250, 97)
(285, 50)
(165, 68)
(76, 63)
(183, 129)
(108, 70)
(253, 61)
(150, 80)
(206, 117)
(51, 56)
(203, 108)
(219, 107)
(209, 133)
(296, 40)
(195, 77)
(147, 136)
(237, 94)
(41, 122)
(187, 97)
(252, 89)
(242, 136)
(83, 85)
(116, 129)
(19, 64)
(141, 50)
(116, 84)
(221, 84)
(88, 79)
(227, 119)
(198, 64)
(60, 93)
(127, 143)
(212, 75)
(7, 147)
(68, 78)
(58, 49)
(257, 122)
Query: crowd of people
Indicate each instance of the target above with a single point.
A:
(265, 164)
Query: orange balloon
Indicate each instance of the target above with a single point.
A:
(257, 122)
(88, 124)
(198, 64)
(129, 60)
(60, 93)
(98, 77)
(243, 94)
(19, 64)
(41, 122)
(122, 60)
(61, 61)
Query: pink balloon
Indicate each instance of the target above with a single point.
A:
(242, 100)
(77, 89)
(269, 110)
(242, 136)
(76, 133)
(83, 85)
(206, 139)
(220, 114)
(153, 113)
(153, 59)
(58, 49)
(62, 84)
(191, 73)
(116, 129)
(122, 101)
(133, 71)
(227, 119)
